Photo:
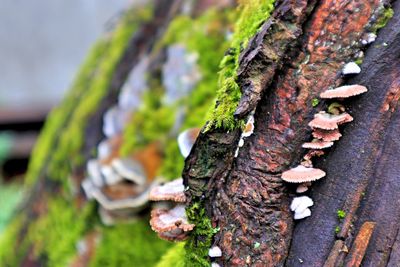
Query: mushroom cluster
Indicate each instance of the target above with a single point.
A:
(121, 185)
(325, 126)
(168, 219)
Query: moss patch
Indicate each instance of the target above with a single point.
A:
(9, 253)
(196, 250)
(175, 257)
(253, 14)
(55, 234)
(133, 244)
(205, 36)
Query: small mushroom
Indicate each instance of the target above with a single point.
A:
(171, 224)
(313, 153)
(123, 195)
(344, 91)
(186, 140)
(214, 252)
(317, 144)
(300, 206)
(301, 215)
(327, 121)
(301, 174)
(301, 188)
(88, 187)
(370, 38)
(351, 68)
(93, 169)
(114, 121)
(130, 170)
(249, 127)
(110, 175)
(327, 135)
(173, 191)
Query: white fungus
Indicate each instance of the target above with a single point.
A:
(299, 204)
(302, 215)
(351, 68)
(214, 252)
(371, 37)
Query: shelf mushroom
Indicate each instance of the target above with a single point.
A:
(326, 135)
(301, 174)
(344, 91)
(170, 191)
(317, 144)
(171, 225)
(325, 121)
(351, 68)
(300, 207)
(186, 140)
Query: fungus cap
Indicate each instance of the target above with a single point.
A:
(302, 215)
(186, 140)
(299, 204)
(351, 68)
(344, 91)
(327, 121)
(130, 170)
(173, 220)
(93, 169)
(313, 153)
(214, 252)
(301, 174)
(301, 188)
(249, 127)
(110, 175)
(317, 145)
(173, 191)
(326, 135)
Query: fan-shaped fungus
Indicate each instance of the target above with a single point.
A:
(317, 144)
(173, 191)
(351, 68)
(301, 174)
(186, 140)
(344, 91)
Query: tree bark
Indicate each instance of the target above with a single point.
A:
(245, 196)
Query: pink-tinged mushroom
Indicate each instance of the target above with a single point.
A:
(170, 224)
(326, 135)
(301, 174)
(186, 140)
(313, 153)
(301, 188)
(327, 121)
(173, 191)
(344, 91)
(317, 145)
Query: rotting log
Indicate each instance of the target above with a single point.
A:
(245, 196)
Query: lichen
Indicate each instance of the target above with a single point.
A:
(253, 14)
(132, 244)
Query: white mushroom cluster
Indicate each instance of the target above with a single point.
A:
(325, 126)
(119, 184)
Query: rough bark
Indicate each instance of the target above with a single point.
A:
(245, 196)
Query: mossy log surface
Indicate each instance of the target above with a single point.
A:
(245, 196)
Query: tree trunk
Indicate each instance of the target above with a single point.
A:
(299, 53)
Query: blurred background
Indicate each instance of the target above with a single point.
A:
(42, 44)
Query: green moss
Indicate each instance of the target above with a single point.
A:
(337, 229)
(55, 234)
(341, 214)
(204, 35)
(9, 253)
(175, 257)
(196, 250)
(383, 19)
(314, 102)
(253, 14)
(133, 244)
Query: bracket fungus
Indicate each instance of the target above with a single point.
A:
(172, 191)
(317, 144)
(301, 174)
(300, 207)
(344, 91)
(326, 135)
(172, 224)
(130, 170)
(325, 121)
(186, 140)
(214, 252)
(351, 68)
